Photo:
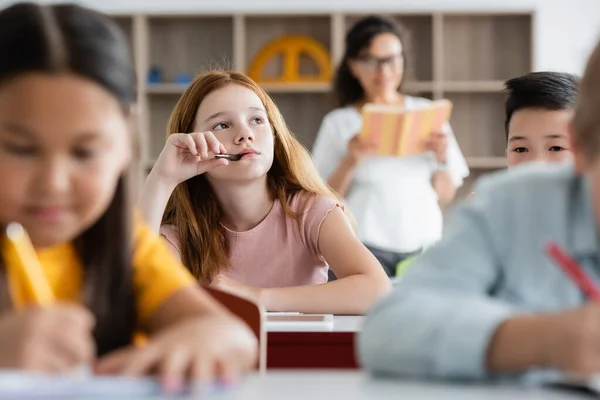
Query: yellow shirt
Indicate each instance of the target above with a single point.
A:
(156, 273)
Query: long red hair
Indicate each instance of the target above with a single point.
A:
(193, 209)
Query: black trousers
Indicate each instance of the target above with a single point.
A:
(389, 260)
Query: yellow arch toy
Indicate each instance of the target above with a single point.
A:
(291, 47)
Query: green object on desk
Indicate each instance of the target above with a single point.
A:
(403, 265)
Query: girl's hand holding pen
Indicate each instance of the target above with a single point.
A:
(186, 155)
(56, 338)
(46, 336)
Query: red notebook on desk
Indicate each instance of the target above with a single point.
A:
(401, 132)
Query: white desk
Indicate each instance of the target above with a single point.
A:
(344, 323)
(357, 386)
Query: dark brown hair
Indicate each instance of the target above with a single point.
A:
(70, 39)
(587, 108)
(193, 208)
(346, 88)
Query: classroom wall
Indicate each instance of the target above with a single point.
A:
(564, 30)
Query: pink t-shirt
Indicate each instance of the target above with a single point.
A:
(280, 251)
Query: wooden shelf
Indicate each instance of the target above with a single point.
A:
(478, 123)
(465, 57)
(486, 47)
(165, 88)
(189, 45)
(159, 112)
(473, 87)
(303, 113)
(308, 87)
(305, 87)
(325, 87)
(260, 30)
(486, 162)
(418, 87)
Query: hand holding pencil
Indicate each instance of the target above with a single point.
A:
(24, 267)
(43, 335)
(567, 340)
(573, 337)
(51, 339)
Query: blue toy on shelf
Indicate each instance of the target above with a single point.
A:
(155, 75)
(184, 79)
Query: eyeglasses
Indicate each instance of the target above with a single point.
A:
(374, 63)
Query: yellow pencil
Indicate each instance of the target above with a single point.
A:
(21, 256)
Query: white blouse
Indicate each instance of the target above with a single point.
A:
(392, 199)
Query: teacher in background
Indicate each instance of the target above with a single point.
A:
(396, 201)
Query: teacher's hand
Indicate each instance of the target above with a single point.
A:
(359, 149)
(438, 144)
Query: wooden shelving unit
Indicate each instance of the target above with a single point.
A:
(464, 57)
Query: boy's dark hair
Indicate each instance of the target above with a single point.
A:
(346, 88)
(66, 38)
(544, 90)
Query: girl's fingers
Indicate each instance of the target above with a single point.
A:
(211, 164)
(213, 143)
(77, 349)
(185, 141)
(191, 144)
(200, 144)
(114, 362)
(142, 362)
(226, 372)
(54, 360)
(202, 370)
(173, 369)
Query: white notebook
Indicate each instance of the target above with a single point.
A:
(19, 385)
(296, 322)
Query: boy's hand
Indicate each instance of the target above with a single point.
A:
(572, 340)
(568, 341)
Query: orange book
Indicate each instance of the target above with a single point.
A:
(401, 132)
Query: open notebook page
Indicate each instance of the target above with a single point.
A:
(19, 385)
(300, 322)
